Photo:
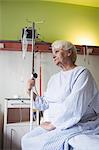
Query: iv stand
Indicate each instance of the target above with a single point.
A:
(33, 76)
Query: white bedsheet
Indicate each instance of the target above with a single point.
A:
(85, 142)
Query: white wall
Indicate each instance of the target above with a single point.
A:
(14, 72)
(92, 63)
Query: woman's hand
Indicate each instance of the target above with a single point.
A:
(47, 126)
(30, 84)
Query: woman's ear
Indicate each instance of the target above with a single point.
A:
(69, 53)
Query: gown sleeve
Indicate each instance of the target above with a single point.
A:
(40, 103)
(75, 105)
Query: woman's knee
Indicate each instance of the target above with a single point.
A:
(24, 139)
(33, 138)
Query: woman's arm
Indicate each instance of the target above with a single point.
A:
(39, 101)
(76, 104)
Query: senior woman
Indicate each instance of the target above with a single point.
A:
(70, 103)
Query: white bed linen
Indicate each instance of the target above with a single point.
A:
(85, 142)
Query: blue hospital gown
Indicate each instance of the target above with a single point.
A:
(71, 104)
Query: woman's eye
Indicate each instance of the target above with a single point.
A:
(56, 51)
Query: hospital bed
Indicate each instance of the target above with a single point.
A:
(84, 142)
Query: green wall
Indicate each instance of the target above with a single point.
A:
(79, 24)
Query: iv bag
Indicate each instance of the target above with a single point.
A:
(24, 43)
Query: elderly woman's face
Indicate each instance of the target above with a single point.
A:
(60, 56)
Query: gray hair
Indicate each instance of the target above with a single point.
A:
(65, 45)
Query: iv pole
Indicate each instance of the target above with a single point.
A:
(33, 76)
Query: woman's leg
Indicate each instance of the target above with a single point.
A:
(27, 139)
(40, 139)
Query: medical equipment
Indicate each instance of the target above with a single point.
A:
(33, 76)
(24, 43)
(29, 35)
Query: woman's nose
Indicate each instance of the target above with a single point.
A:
(54, 57)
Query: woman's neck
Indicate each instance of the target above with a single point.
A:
(68, 67)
